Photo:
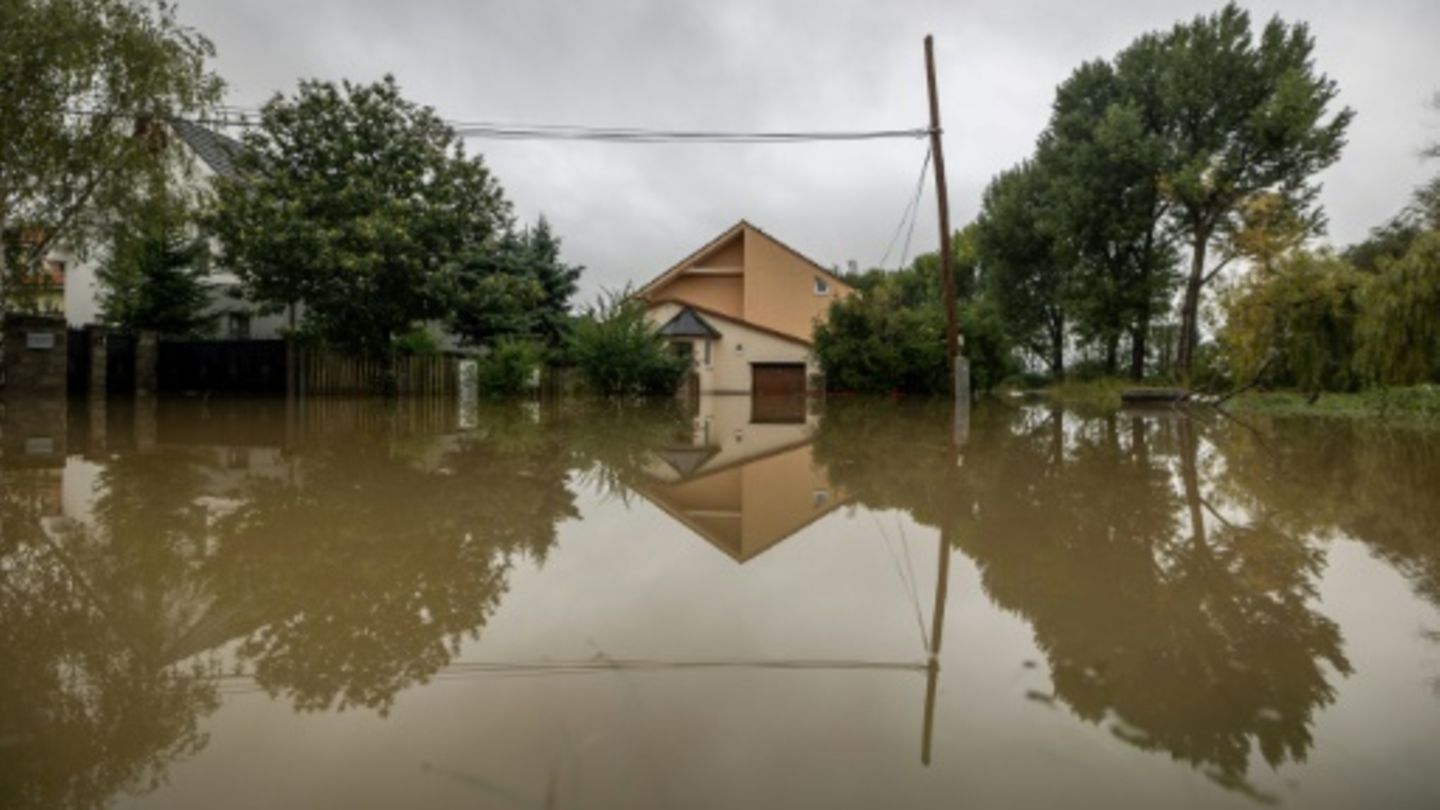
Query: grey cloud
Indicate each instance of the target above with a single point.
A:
(629, 211)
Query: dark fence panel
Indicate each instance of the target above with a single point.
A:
(77, 363)
(120, 363)
(222, 366)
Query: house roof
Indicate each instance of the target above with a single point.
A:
(731, 319)
(724, 237)
(219, 152)
(688, 323)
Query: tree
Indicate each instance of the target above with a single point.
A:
(1293, 322)
(359, 204)
(619, 352)
(1400, 325)
(1245, 118)
(81, 84)
(154, 276)
(1106, 153)
(518, 288)
(1027, 268)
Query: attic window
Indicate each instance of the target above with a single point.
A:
(822, 287)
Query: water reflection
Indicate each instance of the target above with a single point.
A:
(742, 475)
(333, 556)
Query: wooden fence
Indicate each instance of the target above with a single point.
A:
(324, 372)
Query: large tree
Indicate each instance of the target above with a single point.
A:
(1245, 117)
(81, 83)
(1027, 269)
(1106, 151)
(360, 204)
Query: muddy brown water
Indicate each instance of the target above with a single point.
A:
(353, 604)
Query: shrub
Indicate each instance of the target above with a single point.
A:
(619, 353)
(508, 369)
(885, 340)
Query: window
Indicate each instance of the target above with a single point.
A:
(683, 349)
(822, 286)
(707, 352)
(238, 326)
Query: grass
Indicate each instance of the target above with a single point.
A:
(1414, 404)
(1418, 404)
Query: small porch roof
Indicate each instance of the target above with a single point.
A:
(687, 323)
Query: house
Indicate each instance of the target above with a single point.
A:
(210, 154)
(744, 307)
(742, 480)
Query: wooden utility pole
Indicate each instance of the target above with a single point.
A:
(947, 259)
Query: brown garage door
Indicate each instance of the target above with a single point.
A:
(778, 379)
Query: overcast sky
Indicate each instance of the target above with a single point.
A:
(627, 211)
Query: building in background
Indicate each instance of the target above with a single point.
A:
(744, 307)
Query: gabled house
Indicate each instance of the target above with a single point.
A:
(744, 307)
(211, 155)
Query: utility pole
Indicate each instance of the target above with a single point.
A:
(960, 418)
(959, 379)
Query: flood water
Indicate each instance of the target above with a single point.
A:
(349, 604)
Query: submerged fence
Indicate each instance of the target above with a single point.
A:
(324, 372)
(97, 361)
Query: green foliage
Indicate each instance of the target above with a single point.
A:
(155, 275)
(1400, 327)
(419, 340)
(358, 203)
(509, 368)
(620, 354)
(876, 342)
(126, 63)
(891, 337)
(1027, 271)
(518, 288)
(1245, 116)
(1295, 325)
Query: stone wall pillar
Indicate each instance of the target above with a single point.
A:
(35, 357)
(147, 357)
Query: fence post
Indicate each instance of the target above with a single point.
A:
(147, 350)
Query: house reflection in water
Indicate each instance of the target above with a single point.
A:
(745, 478)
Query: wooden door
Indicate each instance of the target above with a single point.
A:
(777, 379)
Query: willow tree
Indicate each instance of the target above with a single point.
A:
(1400, 327)
(80, 83)
(1246, 117)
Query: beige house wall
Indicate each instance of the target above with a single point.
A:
(739, 345)
(780, 288)
(721, 293)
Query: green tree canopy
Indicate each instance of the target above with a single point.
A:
(359, 204)
(1244, 117)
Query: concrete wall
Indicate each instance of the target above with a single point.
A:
(728, 371)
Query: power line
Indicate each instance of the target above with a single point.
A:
(573, 132)
(910, 213)
(244, 117)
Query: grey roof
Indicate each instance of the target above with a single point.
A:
(688, 323)
(219, 152)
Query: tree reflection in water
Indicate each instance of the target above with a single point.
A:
(345, 552)
(1187, 631)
